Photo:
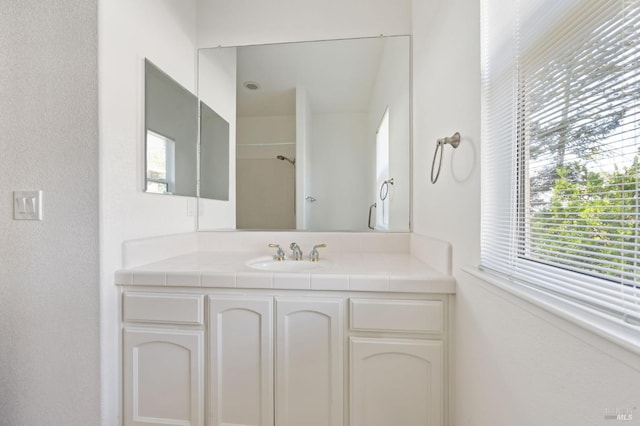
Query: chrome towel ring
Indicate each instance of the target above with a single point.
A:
(384, 189)
(454, 141)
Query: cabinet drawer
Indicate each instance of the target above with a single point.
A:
(413, 316)
(163, 308)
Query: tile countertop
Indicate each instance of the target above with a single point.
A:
(382, 272)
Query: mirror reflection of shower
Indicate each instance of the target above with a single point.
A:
(282, 157)
(293, 163)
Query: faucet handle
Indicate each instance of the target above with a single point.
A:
(314, 256)
(279, 253)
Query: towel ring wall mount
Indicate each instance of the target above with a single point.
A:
(454, 141)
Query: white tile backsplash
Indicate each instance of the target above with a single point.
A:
(150, 250)
(434, 252)
(337, 242)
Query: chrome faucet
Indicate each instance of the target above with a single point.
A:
(314, 256)
(279, 253)
(297, 253)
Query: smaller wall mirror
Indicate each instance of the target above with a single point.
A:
(214, 155)
(171, 135)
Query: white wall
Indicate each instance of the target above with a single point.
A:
(518, 365)
(515, 363)
(339, 142)
(165, 32)
(49, 329)
(244, 22)
(446, 99)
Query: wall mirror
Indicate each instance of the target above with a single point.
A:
(172, 138)
(171, 135)
(322, 132)
(214, 155)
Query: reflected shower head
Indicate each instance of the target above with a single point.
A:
(282, 157)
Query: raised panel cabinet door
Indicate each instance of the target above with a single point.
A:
(241, 361)
(309, 362)
(396, 382)
(163, 377)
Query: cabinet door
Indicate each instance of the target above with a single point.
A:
(396, 382)
(309, 362)
(241, 361)
(163, 377)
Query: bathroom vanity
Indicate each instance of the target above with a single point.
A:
(360, 338)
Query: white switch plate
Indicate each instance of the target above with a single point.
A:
(191, 207)
(27, 205)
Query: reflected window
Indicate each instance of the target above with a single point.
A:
(382, 172)
(160, 163)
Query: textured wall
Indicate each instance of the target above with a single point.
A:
(49, 330)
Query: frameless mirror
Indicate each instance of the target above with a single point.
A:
(214, 155)
(322, 132)
(171, 135)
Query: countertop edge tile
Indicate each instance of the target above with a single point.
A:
(254, 280)
(350, 271)
(335, 282)
(149, 278)
(183, 279)
(292, 281)
(366, 282)
(419, 285)
(123, 277)
(222, 279)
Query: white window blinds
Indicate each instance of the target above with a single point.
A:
(561, 140)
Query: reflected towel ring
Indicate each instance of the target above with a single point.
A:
(454, 141)
(385, 188)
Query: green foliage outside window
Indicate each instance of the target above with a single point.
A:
(591, 214)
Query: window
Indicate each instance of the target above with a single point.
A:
(561, 141)
(160, 163)
(382, 172)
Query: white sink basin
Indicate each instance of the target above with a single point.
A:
(268, 263)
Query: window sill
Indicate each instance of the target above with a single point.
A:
(591, 323)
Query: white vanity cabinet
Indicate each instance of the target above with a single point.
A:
(240, 361)
(163, 359)
(395, 380)
(283, 357)
(309, 362)
(308, 365)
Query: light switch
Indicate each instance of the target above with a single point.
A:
(27, 205)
